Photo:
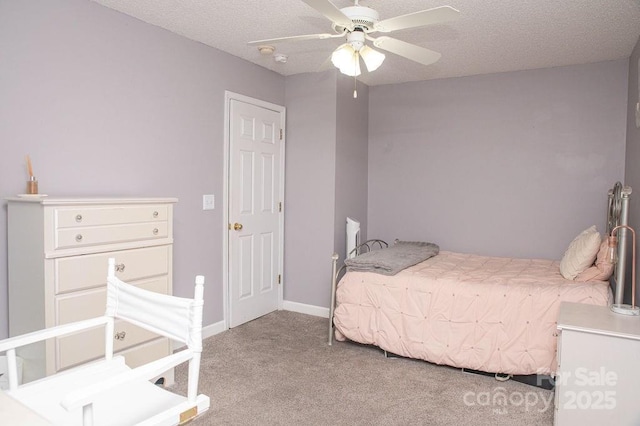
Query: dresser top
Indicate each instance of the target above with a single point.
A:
(597, 320)
(61, 201)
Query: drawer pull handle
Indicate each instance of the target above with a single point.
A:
(79, 218)
(120, 267)
(120, 336)
(155, 231)
(79, 237)
(155, 214)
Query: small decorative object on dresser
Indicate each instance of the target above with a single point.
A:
(598, 373)
(32, 183)
(57, 249)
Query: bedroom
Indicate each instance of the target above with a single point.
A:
(103, 115)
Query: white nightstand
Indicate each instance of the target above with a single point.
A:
(598, 365)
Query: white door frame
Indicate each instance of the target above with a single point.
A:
(228, 96)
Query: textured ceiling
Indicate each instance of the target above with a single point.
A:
(490, 36)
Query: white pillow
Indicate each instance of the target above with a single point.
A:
(581, 253)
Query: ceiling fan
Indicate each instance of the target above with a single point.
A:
(356, 23)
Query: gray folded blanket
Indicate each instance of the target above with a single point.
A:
(391, 260)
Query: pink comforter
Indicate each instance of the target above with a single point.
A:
(484, 313)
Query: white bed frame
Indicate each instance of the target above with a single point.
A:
(617, 214)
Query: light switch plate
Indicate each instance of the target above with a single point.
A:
(638, 115)
(208, 202)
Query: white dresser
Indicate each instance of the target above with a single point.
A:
(598, 365)
(57, 260)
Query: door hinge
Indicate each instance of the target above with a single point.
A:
(280, 134)
(279, 279)
(280, 206)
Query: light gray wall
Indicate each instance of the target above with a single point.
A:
(512, 164)
(351, 160)
(310, 187)
(632, 159)
(107, 105)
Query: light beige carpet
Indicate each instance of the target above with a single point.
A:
(279, 370)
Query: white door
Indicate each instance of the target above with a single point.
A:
(255, 181)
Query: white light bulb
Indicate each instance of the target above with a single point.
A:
(346, 59)
(341, 55)
(372, 58)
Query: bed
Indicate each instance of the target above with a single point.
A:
(489, 314)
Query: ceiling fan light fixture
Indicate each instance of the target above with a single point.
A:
(356, 23)
(347, 60)
(341, 55)
(351, 67)
(372, 58)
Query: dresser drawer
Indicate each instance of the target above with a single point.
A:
(89, 271)
(66, 238)
(75, 217)
(92, 303)
(77, 348)
(81, 347)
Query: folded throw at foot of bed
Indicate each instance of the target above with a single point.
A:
(391, 260)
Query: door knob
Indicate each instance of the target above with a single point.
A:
(237, 226)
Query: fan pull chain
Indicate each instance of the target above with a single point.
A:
(355, 80)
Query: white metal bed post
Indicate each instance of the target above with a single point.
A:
(622, 260)
(619, 215)
(332, 306)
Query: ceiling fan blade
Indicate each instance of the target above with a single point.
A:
(407, 50)
(418, 19)
(293, 38)
(329, 10)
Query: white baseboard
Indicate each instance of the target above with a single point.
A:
(220, 326)
(316, 311)
(213, 329)
(207, 331)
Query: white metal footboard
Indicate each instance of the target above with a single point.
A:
(365, 247)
